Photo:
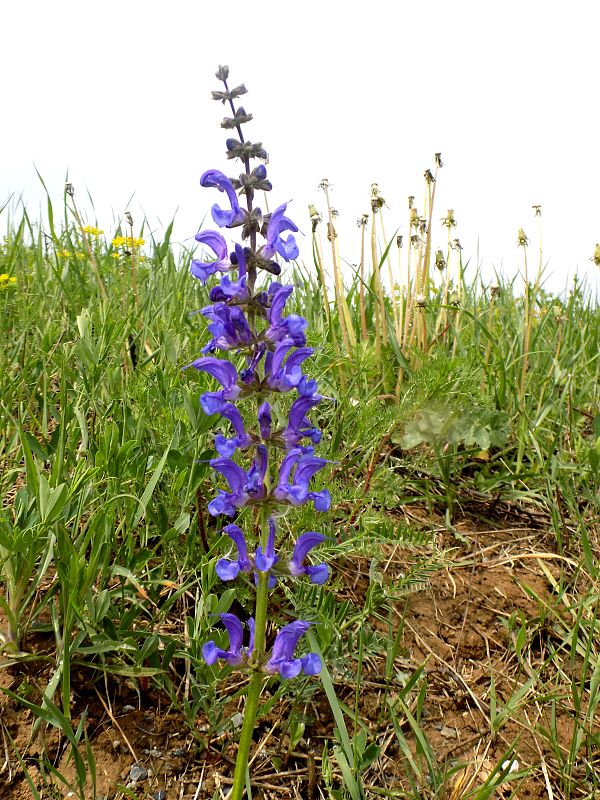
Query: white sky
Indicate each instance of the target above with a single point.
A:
(118, 94)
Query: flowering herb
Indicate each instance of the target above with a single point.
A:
(265, 465)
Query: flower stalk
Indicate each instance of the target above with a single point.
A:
(267, 466)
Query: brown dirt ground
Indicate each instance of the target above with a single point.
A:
(456, 628)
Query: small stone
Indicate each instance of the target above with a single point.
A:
(237, 720)
(137, 773)
(116, 745)
(127, 709)
(160, 795)
(154, 753)
(178, 752)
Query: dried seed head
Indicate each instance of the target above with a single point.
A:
(222, 73)
(69, 189)
(362, 220)
(399, 241)
(414, 217)
(537, 210)
(596, 257)
(331, 233)
(438, 160)
(129, 218)
(456, 245)
(324, 185)
(421, 301)
(440, 261)
(522, 240)
(411, 200)
(494, 291)
(449, 220)
(428, 175)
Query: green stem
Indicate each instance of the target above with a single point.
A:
(241, 764)
(254, 689)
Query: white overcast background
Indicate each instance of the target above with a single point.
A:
(118, 95)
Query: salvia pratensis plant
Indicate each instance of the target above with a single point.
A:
(268, 459)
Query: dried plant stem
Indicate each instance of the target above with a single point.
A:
(361, 293)
(134, 282)
(348, 337)
(391, 274)
(377, 289)
(89, 251)
(319, 259)
(527, 327)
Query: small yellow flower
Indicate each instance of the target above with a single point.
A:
(142, 258)
(4, 276)
(12, 280)
(92, 230)
(63, 253)
(116, 256)
(80, 256)
(127, 241)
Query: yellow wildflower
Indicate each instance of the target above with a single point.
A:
(115, 255)
(63, 253)
(4, 276)
(127, 241)
(12, 280)
(80, 256)
(92, 230)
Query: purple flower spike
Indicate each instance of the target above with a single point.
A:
(287, 248)
(229, 570)
(305, 543)
(282, 658)
(204, 269)
(223, 218)
(235, 654)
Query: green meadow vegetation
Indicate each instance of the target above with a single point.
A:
(459, 631)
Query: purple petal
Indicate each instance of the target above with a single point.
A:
(322, 500)
(318, 574)
(311, 664)
(218, 368)
(232, 472)
(204, 269)
(223, 217)
(304, 545)
(264, 420)
(227, 570)
(251, 626)
(237, 537)
(290, 669)
(299, 409)
(235, 629)
(210, 653)
(287, 639)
